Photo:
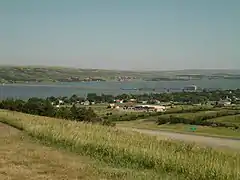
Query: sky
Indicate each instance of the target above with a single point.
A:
(121, 34)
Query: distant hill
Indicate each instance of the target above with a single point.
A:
(64, 74)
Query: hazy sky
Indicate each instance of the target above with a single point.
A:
(121, 34)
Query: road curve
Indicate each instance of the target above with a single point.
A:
(204, 140)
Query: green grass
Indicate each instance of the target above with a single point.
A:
(190, 115)
(228, 119)
(130, 150)
(202, 130)
(182, 128)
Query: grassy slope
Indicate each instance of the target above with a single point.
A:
(130, 150)
(23, 158)
(43, 73)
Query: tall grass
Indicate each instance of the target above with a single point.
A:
(130, 149)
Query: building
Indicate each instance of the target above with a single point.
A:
(119, 101)
(86, 103)
(132, 100)
(113, 106)
(191, 88)
(225, 102)
(60, 102)
(155, 108)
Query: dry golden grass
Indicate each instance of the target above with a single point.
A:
(21, 158)
(130, 150)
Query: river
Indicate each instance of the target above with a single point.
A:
(25, 91)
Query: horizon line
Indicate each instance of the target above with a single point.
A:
(127, 70)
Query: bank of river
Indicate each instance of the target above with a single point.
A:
(82, 88)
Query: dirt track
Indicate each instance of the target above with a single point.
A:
(6, 130)
(204, 140)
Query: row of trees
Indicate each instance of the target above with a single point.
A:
(144, 115)
(181, 97)
(43, 107)
(203, 119)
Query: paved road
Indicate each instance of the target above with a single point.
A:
(204, 140)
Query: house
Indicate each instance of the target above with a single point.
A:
(132, 100)
(60, 102)
(119, 101)
(111, 105)
(225, 102)
(155, 108)
(212, 103)
(191, 88)
(157, 102)
(144, 102)
(86, 103)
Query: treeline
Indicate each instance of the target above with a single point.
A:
(43, 107)
(204, 119)
(151, 98)
(185, 97)
(189, 110)
(127, 117)
(144, 115)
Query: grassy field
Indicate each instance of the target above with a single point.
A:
(228, 119)
(22, 157)
(182, 128)
(150, 122)
(130, 150)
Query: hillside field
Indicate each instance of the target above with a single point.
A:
(147, 156)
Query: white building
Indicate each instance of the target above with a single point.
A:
(156, 108)
(224, 102)
(86, 103)
(60, 102)
(190, 88)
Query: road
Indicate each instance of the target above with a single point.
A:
(203, 140)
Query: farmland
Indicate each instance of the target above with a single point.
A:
(228, 125)
(129, 150)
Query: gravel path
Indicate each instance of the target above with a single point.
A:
(204, 140)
